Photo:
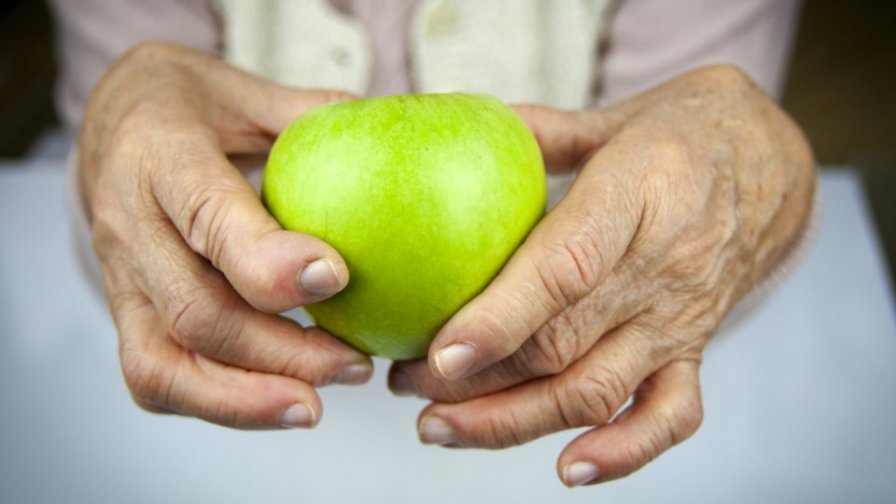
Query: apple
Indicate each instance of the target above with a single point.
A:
(426, 197)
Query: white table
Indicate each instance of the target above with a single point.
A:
(800, 399)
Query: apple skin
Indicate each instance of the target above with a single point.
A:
(425, 196)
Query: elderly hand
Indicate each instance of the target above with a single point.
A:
(195, 270)
(687, 195)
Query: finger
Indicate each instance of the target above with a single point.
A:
(566, 138)
(566, 256)
(165, 376)
(263, 111)
(552, 348)
(202, 313)
(250, 102)
(246, 111)
(283, 104)
(667, 410)
(589, 392)
(221, 217)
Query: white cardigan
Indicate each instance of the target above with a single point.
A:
(518, 50)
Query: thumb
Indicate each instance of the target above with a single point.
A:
(220, 216)
(565, 257)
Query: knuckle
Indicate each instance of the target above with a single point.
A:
(675, 189)
(553, 347)
(295, 365)
(670, 427)
(502, 432)
(194, 317)
(133, 137)
(678, 205)
(145, 377)
(638, 453)
(316, 368)
(129, 135)
(669, 151)
(573, 261)
(671, 186)
(151, 51)
(190, 322)
(206, 220)
(592, 398)
(693, 421)
(726, 76)
(449, 393)
(684, 421)
(316, 358)
(167, 158)
(266, 287)
(226, 413)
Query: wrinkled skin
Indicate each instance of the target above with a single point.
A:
(195, 270)
(687, 195)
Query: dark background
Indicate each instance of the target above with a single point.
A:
(841, 90)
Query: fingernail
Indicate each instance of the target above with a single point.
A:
(579, 473)
(297, 415)
(353, 374)
(434, 430)
(400, 384)
(453, 360)
(321, 278)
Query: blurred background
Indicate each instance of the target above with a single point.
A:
(840, 89)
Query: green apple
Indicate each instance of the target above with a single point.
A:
(425, 196)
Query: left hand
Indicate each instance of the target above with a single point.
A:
(688, 194)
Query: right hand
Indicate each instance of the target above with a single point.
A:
(195, 270)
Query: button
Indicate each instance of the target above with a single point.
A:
(341, 56)
(442, 20)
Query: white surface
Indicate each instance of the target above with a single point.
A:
(800, 399)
